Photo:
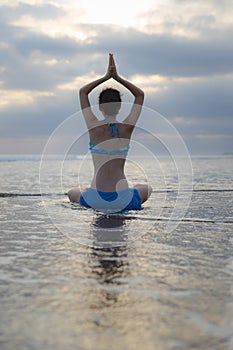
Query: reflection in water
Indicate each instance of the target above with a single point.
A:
(109, 261)
(108, 268)
(109, 231)
(109, 221)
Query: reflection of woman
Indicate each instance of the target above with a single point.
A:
(109, 144)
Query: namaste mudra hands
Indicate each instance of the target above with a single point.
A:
(111, 71)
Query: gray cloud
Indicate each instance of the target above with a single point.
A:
(205, 98)
(168, 54)
(207, 102)
(40, 11)
(151, 54)
(39, 118)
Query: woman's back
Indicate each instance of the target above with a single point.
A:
(109, 155)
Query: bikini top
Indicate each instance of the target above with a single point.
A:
(95, 149)
(114, 131)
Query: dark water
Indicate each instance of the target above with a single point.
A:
(158, 290)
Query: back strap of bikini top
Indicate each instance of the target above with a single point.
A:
(113, 128)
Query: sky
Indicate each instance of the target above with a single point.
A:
(179, 52)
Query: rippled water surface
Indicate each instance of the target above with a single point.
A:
(62, 288)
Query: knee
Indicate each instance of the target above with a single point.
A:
(145, 189)
(70, 195)
(150, 189)
(74, 195)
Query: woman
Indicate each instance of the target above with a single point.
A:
(109, 144)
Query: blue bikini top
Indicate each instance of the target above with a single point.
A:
(114, 131)
(94, 149)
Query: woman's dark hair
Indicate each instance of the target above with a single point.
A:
(110, 101)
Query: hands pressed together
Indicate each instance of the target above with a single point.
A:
(111, 71)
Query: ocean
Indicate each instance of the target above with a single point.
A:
(72, 279)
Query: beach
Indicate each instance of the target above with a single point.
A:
(63, 288)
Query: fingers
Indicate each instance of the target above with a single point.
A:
(112, 71)
(113, 61)
(110, 59)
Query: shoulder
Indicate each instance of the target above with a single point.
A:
(96, 128)
(126, 129)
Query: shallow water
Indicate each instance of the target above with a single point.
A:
(161, 290)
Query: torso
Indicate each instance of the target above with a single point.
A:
(109, 173)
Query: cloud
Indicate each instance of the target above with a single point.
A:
(44, 11)
(20, 97)
(166, 54)
(161, 54)
(180, 54)
(206, 97)
(188, 18)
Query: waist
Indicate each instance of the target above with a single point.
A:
(105, 185)
(110, 192)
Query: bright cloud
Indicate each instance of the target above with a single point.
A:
(178, 51)
(120, 12)
(21, 97)
(187, 18)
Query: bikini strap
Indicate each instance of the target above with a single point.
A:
(113, 128)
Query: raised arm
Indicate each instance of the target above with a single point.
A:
(84, 91)
(136, 91)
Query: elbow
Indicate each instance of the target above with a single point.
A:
(81, 92)
(139, 99)
(141, 96)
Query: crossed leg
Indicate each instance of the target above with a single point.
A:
(144, 191)
(74, 195)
